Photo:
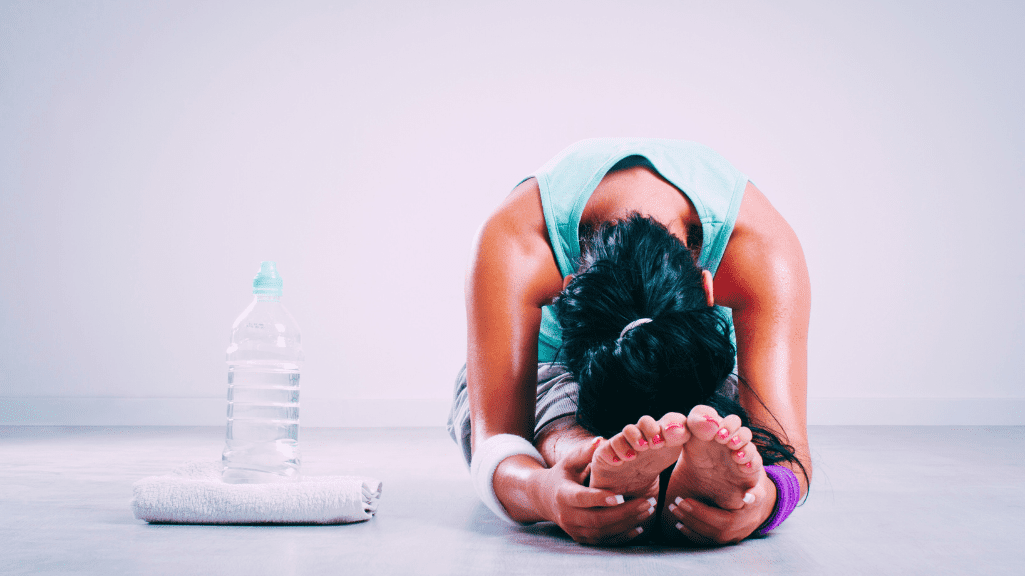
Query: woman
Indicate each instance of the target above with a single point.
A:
(515, 395)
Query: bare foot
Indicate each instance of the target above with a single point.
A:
(718, 465)
(629, 463)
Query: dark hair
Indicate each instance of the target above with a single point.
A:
(632, 269)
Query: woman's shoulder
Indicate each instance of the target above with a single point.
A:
(520, 214)
(512, 249)
(763, 259)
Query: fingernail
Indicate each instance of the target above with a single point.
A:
(618, 499)
(672, 507)
(749, 498)
(678, 500)
(639, 529)
(630, 453)
(657, 439)
(679, 525)
(649, 512)
(724, 433)
(652, 500)
(686, 506)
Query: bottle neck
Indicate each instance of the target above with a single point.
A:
(267, 298)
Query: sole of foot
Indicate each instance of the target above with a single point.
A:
(718, 464)
(629, 463)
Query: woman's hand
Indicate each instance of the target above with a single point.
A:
(708, 525)
(588, 515)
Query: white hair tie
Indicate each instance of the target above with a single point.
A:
(633, 325)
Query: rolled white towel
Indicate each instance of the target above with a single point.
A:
(194, 494)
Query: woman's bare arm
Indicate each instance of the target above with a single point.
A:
(763, 278)
(512, 275)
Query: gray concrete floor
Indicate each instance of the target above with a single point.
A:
(885, 500)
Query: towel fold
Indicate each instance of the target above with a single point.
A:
(194, 494)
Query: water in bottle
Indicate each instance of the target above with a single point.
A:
(264, 357)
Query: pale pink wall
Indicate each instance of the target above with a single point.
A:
(151, 154)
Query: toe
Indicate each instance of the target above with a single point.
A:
(730, 425)
(651, 430)
(621, 445)
(745, 454)
(747, 458)
(739, 438)
(607, 454)
(755, 463)
(635, 437)
(674, 429)
(703, 422)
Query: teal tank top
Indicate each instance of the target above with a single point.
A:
(567, 181)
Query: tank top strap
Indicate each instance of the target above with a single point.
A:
(568, 180)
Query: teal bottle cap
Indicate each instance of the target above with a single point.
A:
(267, 281)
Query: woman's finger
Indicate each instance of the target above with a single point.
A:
(605, 521)
(703, 513)
(629, 515)
(711, 523)
(597, 525)
(580, 458)
(615, 539)
(583, 497)
(693, 536)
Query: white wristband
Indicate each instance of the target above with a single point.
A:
(485, 461)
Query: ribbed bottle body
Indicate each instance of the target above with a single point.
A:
(264, 358)
(262, 438)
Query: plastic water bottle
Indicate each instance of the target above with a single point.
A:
(264, 357)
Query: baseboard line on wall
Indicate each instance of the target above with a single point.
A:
(119, 411)
(382, 412)
(917, 411)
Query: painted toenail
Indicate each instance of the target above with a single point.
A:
(657, 439)
(740, 453)
(735, 441)
(724, 433)
(630, 453)
(748, 464)
(642, 442)
(749, 498)
(615, 459)
(673, 426)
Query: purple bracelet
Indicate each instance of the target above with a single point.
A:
(788, 493)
